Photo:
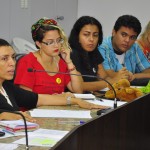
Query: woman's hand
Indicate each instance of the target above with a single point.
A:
(87, 105)
(11, 116)
(65, 54)
(28, 117)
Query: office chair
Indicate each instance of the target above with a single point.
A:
(22, 46)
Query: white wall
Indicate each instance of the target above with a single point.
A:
(107, 11)
(16, 21)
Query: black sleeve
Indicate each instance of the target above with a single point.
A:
(21, 97)
(5, 106)
(100, 58)
(76, 60)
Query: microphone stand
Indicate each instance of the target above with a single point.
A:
(91, 76)
(26, 131)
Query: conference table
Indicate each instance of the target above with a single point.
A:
(51, 123)
(125, 127)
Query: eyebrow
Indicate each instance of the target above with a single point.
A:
(7, 55)
(128, 34)
(53, 39)
(91, 32)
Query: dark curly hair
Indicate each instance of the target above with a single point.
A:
(74, 40)
(128, 21)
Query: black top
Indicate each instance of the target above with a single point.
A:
(80, 64)
(18, 97)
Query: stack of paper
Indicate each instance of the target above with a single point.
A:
(85, 96)
(17, 126)
(60, 113)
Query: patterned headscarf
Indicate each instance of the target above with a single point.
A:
(43, 21)
(50, 22)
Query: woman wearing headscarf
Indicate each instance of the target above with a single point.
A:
(52, 57)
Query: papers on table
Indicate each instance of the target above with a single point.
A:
(85, 96)
(16, 123)
(6, 146)
(105, 102)
(9, 134)
(14, 126)
(60, 113)
(43, 137)
(100, 101)
(105, 89)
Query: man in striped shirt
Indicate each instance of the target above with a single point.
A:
(120, 50)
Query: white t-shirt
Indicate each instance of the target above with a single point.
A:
(121, 58)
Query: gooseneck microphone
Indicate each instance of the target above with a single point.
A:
(25, 124)
(91, 76)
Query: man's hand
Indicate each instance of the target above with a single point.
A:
(123, 73)
(131, 76)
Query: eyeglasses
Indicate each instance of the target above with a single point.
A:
(53, 42)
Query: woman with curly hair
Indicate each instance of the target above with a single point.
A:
(53, 57)
(84, 39)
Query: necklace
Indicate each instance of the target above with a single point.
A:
(3, 92)
(54, 59)
(56, 64)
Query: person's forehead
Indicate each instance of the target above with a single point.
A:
(6, 50)
(90, 27)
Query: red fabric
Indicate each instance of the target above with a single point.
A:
(40, 82)
(146, 50)
(23, 109)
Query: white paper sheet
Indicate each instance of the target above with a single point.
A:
(59, 133)
(16, 123)
(11, 135)
(85, 96)
(105, 102)
(6, 146)
(60, 113)
(106, 89)
(43, 137)
(8, 134)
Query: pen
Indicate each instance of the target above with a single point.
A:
(7, 131)
(72, 122)
(99, 99)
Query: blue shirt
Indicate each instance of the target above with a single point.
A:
(134, 60)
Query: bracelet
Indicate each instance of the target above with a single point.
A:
(69, 100)
(72, 69)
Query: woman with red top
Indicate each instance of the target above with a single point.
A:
(13, 97)
(53, 56)
(144, 41)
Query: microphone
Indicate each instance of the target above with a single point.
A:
(91, 76)
(26, 132)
